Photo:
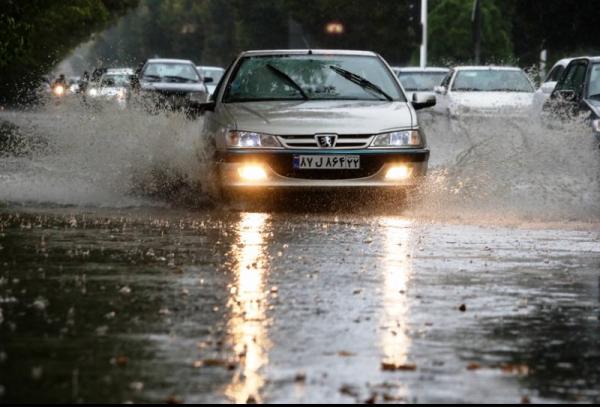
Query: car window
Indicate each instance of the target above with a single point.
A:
(555, 73)
(421, 81)
(594, 86)
(256, 78)
(491, 80)
(170, 72)
(574, 78)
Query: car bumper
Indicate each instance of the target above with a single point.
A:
(279, 173)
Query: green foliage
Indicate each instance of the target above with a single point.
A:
(451, 35)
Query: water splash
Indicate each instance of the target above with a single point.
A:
(71, 154)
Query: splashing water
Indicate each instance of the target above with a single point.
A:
(505, 169)
(73, 155)
(497, 169)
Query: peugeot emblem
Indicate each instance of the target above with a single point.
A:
(326, 140)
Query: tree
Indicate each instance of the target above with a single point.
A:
(450, 32)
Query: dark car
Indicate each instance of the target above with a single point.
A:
(577, 94)
(170, 83)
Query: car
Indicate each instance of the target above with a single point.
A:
(485, 91)
(577, 94)
(169, 84)
(543, 93)
(212, 75)
(314, 119)
(113, 86)
(415, 79)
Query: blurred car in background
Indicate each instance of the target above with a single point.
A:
(577, 94)
(211, 75)
(172, 84)
(315, 119)
(420, 80)
(543, 93)
(113, 86)
(480, 91)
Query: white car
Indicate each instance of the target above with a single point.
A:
(484, 91)
(113, 86)
(545, 90)
(417, 80)
(212, 75)
(306, 119)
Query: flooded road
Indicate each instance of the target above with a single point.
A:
(487, 291)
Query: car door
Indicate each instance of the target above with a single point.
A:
(567, 97)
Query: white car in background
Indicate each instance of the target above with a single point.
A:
(212, 75)
(417, 80)
(485, 91)
(113, 86)
(546, 88)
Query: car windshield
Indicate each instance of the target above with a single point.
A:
(170, 72)
(314, 77)
(594, 88)
(421, 81)
(215, 74)
(114, 81)
(492, 80)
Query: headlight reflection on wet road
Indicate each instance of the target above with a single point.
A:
(246, 327)
(397, 271)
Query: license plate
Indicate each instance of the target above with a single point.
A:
(326, 162)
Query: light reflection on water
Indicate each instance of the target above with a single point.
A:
(397, 270)
(248, 301)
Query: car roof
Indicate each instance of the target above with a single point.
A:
(306, 52)
(210, 68)
(591, 59)
(170, 61)
(486, 68)
(419, 69)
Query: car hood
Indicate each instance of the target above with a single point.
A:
(172, 87)
(490, 100)
(310, 117)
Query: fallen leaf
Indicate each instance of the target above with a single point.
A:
(392, 367)
(517, 369)
(345, 354)
(121, 360)
(462, 308)
(473, 366)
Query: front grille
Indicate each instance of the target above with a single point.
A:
(283, 165)
(343, 141)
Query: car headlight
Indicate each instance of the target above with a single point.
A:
(404, 138)
(93, 92)
(249, 139)
(596, 125)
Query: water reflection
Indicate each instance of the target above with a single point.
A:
(248, 302)
(397, 270)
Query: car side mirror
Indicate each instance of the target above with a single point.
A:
(196, 109)
(422, 101)
(440, 90)
(208, 80)
(548, 87)
(567, 95)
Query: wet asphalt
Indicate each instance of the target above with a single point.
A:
(172, 305)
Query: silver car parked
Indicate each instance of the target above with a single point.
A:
(304, 119)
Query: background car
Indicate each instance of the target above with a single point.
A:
(171, 84)
(479, 91)
(546, 88)
(420, 80)
(306, 119)
(212, 75)
(577, 94)
(113, 86)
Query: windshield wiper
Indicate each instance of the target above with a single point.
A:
(360, 81)
(179, 78)
(289, 80)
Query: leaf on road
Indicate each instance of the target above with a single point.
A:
(393, 367)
